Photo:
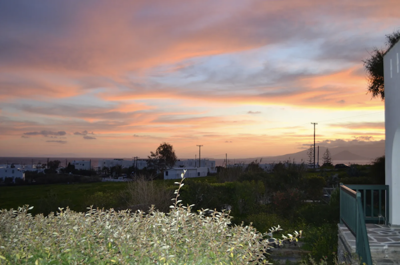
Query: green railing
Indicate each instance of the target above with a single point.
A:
(352, 215)
(375, 202)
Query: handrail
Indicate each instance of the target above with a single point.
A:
(383, 207)
(352, 215)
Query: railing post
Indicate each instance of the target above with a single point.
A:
(340, 204)
(387, 206)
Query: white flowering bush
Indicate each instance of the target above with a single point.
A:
(124, 237)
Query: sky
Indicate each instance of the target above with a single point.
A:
(244, 78)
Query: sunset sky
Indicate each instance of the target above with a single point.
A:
(247, 78)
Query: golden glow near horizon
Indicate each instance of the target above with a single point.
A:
(247, 78)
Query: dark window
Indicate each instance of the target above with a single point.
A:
(198, 174)
(166, 173)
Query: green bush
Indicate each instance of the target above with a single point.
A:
(357, 180)
(125, 237)
(263, 221)
(313, 187)
(377, 172)
(285, 203)
(322, 242)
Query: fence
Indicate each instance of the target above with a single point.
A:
(352, 215)
(375, 202)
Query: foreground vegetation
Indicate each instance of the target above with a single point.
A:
(125, 237)
(256, 199)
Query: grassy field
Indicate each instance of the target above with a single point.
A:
(77, 196)
(73, 194)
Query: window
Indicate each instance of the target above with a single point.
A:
(198, 174)
(166, 173)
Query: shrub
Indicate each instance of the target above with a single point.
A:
(313, 187)
(286, 202)
(263, 221)
(141, 194)
(378, 170)
(105, 237)
(322, 242)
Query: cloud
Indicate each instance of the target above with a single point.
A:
(56, 141)
(229, 142)
(361, 140)
(146, 136)
(185, 69)
(360, 125)
(46, 133)
(83, 133)
(86, 137)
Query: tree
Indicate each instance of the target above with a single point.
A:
(326, 158)
(52, 166)
(378, 170)
(254, 167)
(163, 158)
(374, 66)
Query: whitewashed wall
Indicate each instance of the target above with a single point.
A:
(392, 124)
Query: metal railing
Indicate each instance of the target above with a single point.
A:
(375, 202)
(352, 215)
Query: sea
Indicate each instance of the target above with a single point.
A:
(43, 160)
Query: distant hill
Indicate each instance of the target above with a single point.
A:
(346, 155)
(362, 153)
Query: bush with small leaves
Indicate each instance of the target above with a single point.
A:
(125, 237)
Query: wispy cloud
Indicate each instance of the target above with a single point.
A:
(187, 72)
(360, 125)
(56, 141)
(46, 133)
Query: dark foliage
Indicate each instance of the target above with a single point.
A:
(163, 158)
(374, 66)
(378, 170)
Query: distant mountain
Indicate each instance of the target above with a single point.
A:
(346, 155)
(362, 153)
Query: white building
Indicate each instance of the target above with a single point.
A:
(191, 172)
(391, 62)
(109, 163)
(14, 173)
(82, 164)
(209, 164)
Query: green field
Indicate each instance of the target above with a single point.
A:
(77, 196)
(73, 195)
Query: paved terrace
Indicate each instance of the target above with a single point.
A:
(384, 242)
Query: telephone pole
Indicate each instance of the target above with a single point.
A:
(314, 123)
(199, 145)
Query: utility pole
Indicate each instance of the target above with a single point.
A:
(195, 160)
(199, 145)
(226, 160)
(314, 123)
(135, 158)
(318, 156)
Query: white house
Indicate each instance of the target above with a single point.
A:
(14, 173)
(191, 172)
(82, 164)
(109, 163)
(195, 163)
(391, 62)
